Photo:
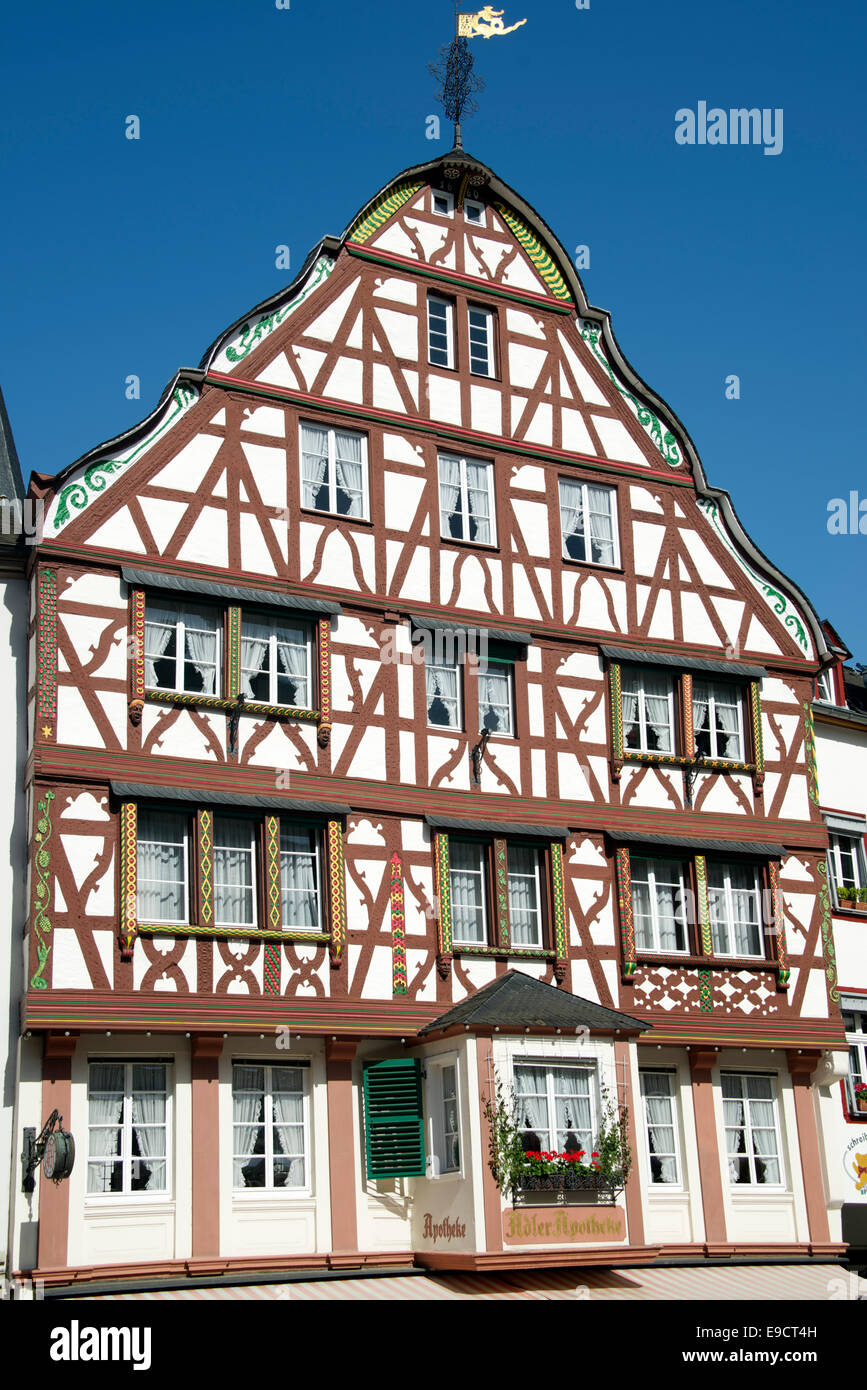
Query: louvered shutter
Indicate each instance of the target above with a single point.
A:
(393, 1118)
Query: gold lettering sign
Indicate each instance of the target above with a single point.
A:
(487, 24)
(563, 1225)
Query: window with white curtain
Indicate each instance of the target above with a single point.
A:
(182, 647)
(469, 896)
(660, 1126)
(300, 877)
(496, 695)
(734, 898)
(588, 522)
(276, 661)
(525, 895)
(443, 692)
(162, 871)
(443, 1116)
(234, 872)
(846, 861)
(556, 1107)
(440, 331)
(333, 470)
(855, 1025)
(466, 499)
(127, 1124)
(752, 1129)
(648, 711)
(718, 720)
(660, 898)
(270, 1126)
(480, 323)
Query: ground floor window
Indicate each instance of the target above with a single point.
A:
(856, 1036)
(443, 1122)
(556, 1107)
(752, 1129)
(270, 1125)
(660, 1126)
(127, 1125)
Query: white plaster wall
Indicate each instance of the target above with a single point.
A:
(672, 1212)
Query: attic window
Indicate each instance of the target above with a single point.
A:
(474, 212)
(443, 204)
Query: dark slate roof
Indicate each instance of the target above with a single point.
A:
(498, 827)
(760, 849)
(11, 482)
(135, 791)
(516, 1000)
(192, 584)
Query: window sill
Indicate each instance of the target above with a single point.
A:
(251, 708)
(852, 914)
(492, 546)
(337, 516)
(593, 565)
(232, 933)
(693, 962)
(505, 952)
(631, 755)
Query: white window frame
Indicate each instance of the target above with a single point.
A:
(835, 862)
(714, 688)
(550, 1064)
(489, 321)
(272, 668)
(276, 1193)
(479, 208)
(184, 921)
(463, 460)
(449, 307)
(671, 1077)
(332, 432)
(587, 532)
(452, 666)
(449, 199)
(856, 1041)
(750, 1154)
(678, 867)
(435, 1068)
(537, 878)
(127, 1192)
(486, 667)
(254, 866)
(316, 834)
(825, 686)
(483, 874)
(643, 721)
(180, 657)
(730, 916)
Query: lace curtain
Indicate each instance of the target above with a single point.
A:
(350, 474)
(298, 881)
(160, 628)
(201, 649)
(314, 466)
(653, 691)
(660, 1128)
(450, 497)
(248, 1102)
(161, 868)
(523, 896)
(494, 699)
(466, 881)
(149, 1127)
(105, 1120)
(478, 502)
(601, 524)
(572, 519)
(441, 683)
(233, 872)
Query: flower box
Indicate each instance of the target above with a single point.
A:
(861, 1103)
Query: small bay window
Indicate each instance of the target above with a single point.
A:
(556, 1107)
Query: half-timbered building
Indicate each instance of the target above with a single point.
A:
(408, 713)
(840, 715)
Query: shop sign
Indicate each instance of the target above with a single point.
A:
(855, 1162)
(563, 1226)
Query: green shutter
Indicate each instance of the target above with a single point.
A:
(393, 1119)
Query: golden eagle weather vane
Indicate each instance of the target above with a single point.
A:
(458, 84)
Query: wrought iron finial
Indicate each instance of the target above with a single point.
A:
(458, 84)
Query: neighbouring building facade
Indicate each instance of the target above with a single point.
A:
(840, 714)
(407, 712)
(14, 603)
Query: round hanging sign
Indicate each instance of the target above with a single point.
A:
(59, 1155)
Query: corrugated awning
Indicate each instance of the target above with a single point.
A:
(682, 663)
(795, 1283)
(760, 849)
(207, 588)
(499, 827)
(142, 791)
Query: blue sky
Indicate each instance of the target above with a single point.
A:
(262, 127)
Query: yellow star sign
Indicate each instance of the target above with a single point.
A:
(487, 24)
